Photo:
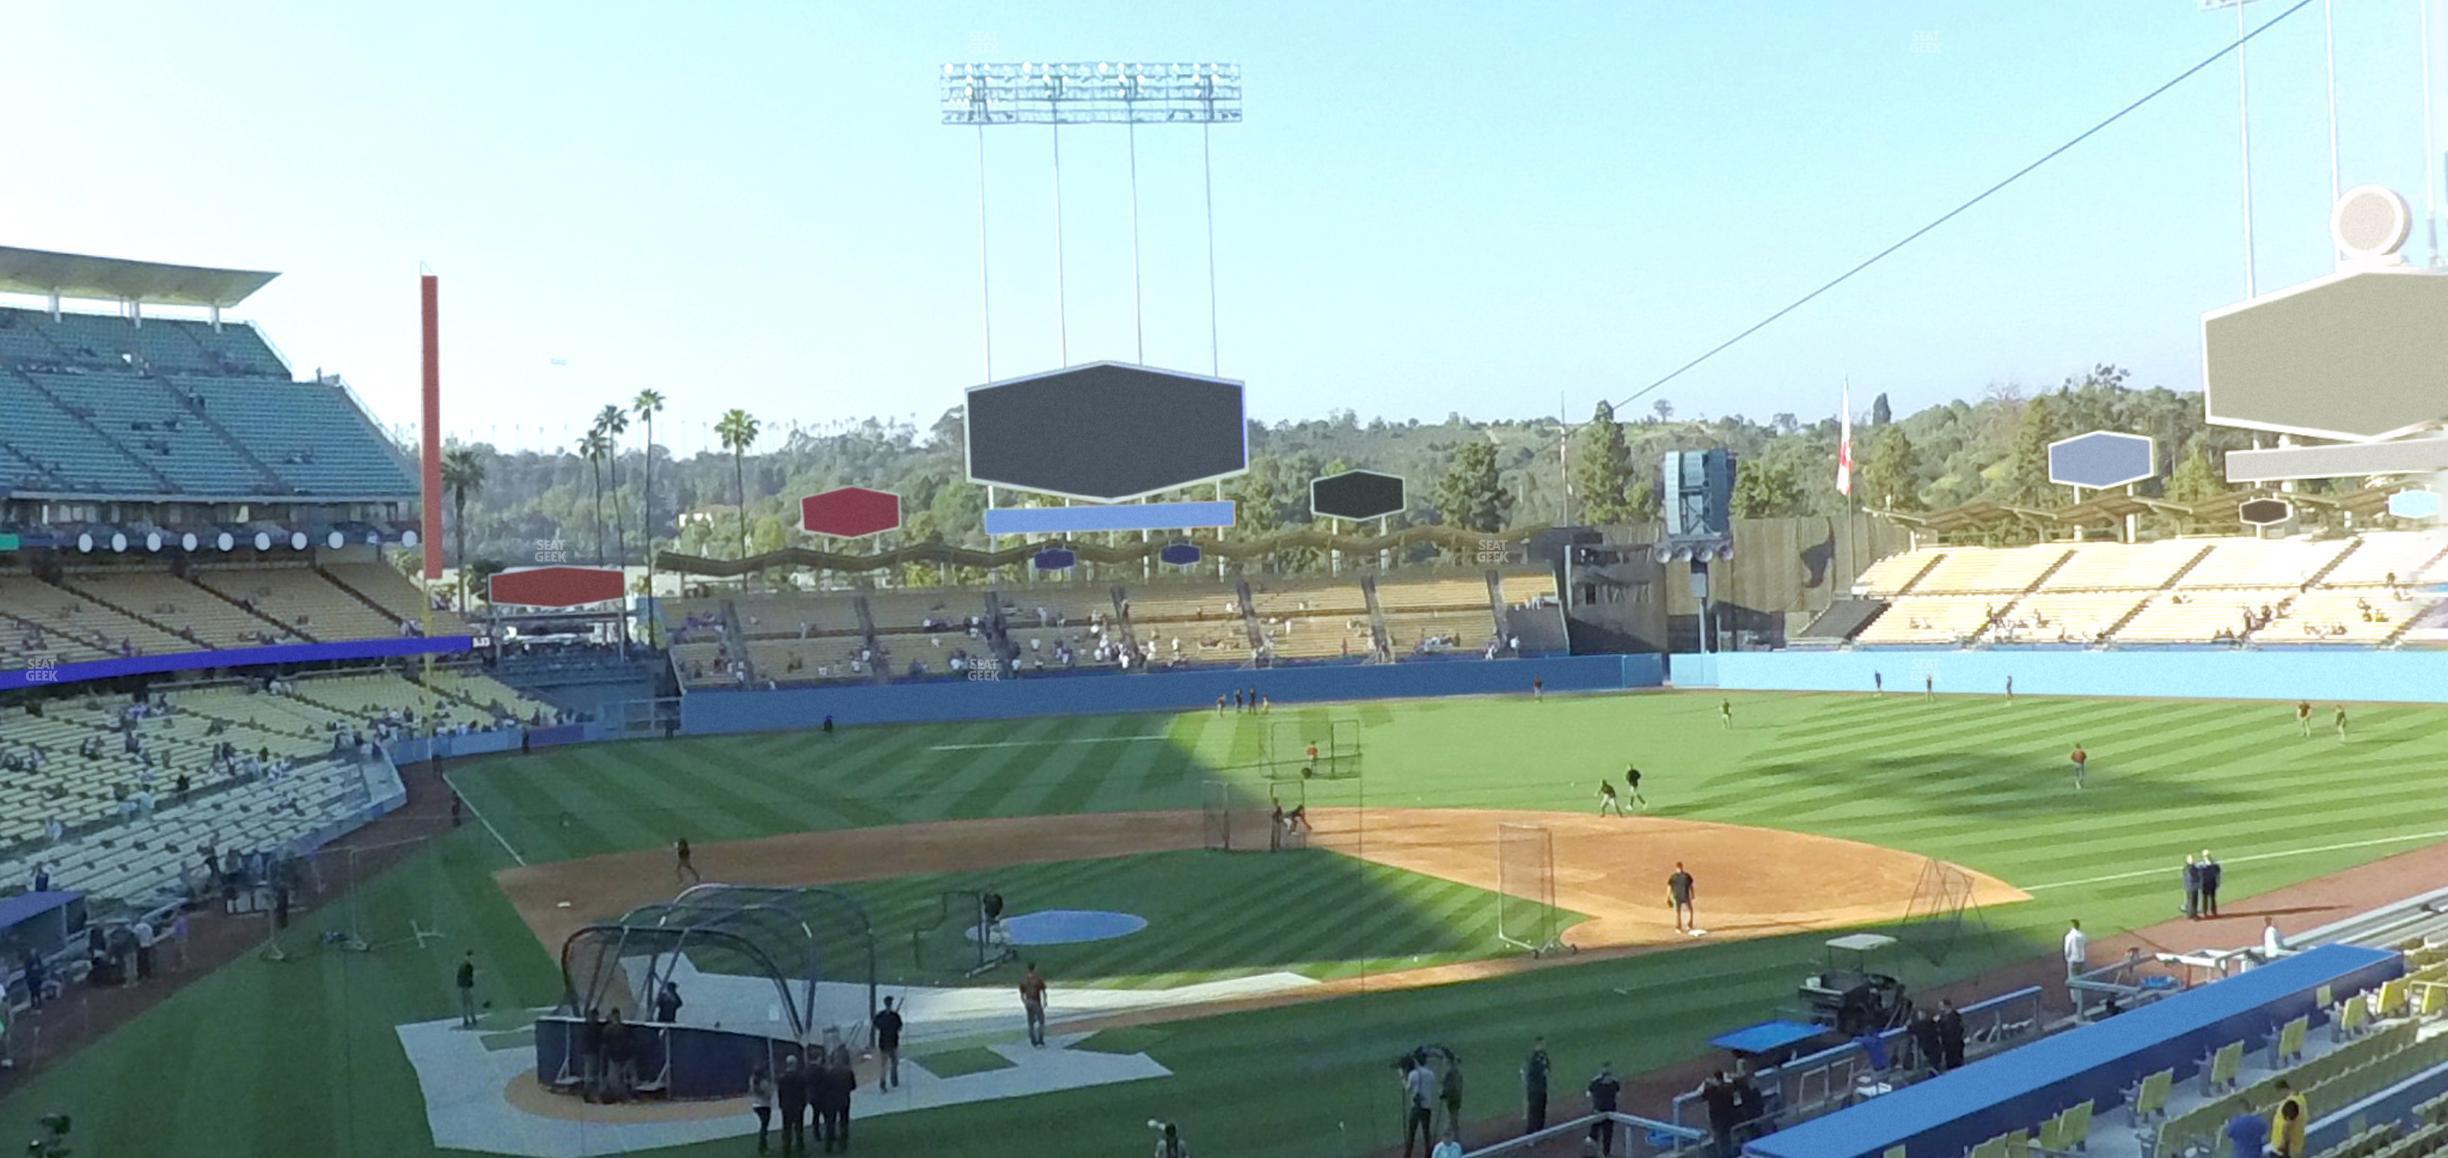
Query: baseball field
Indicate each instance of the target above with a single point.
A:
(1810, 812)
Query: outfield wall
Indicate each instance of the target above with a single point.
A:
(706, 712)
(2354, 675)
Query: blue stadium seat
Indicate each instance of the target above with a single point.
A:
(41, 432)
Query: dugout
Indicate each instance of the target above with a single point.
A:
(761, 969)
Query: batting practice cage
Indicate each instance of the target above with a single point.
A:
(757, 969)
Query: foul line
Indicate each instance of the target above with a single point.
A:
(1043, 743)
(2411, 836)
(480, 819)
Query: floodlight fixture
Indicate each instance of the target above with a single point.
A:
(1100, 93)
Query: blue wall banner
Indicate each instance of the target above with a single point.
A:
(706, 712)
(103, 669)
(1121, 517)
(2352, 675)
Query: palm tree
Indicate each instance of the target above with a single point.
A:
(645, 406)
(462, 473)
(614, 422)
(738, 431)
(593, 448)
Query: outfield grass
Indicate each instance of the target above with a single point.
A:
(1209, 918)
(300, 1059)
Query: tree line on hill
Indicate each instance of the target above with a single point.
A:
(614, 498)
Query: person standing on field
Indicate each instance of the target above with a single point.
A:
(2303, 717)
(2211, 872)
(1032, 1003)
(1929, 687)
(791, 1090)
(1451, 1095)
(1725, 714)
(1607, 802)
(1632, 788)
(888, 1045)
(761, 1100)
(466, 984)
(2082, 763)
(1680, 893)
(2192, 887)
(1603, 1091)
(680, 863)
(1419, 1096)
(2077, 949)
(1535, 1069)
(2340, 719)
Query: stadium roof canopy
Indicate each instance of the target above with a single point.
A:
(72, 275)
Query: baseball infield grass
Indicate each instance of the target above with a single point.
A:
(300, 1058)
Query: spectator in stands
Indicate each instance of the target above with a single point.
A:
(37, 975)
(2248, 1134)
(141, 934)
(2293, 1118)
(42, 877)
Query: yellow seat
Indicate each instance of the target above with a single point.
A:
(2226, 1066)
(2151, 1097)
(2077, 1128)
(2290, 1045)
(2393, 996)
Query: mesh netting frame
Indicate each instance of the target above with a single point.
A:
(1287, 749)
(1525, 888)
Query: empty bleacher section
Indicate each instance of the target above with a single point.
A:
(2366, 589)
(94, 613)
(101, 406)
(301, 598)
(1923, 619)
(391, 593)
(172, 603)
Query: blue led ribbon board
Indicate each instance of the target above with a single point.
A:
(1127, 517)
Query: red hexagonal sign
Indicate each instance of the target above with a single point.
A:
(555, 586)
(850, 512)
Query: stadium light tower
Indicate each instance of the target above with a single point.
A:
(1105, 93)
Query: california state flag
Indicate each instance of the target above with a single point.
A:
(1844, 445)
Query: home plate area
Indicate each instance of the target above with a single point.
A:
(481, 1092)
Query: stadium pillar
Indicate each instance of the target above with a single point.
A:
(429, 292)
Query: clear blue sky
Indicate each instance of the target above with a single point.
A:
(1432, 207)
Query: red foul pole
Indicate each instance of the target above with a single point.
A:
(431, 292)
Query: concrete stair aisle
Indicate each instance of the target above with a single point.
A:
(2335, 561)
